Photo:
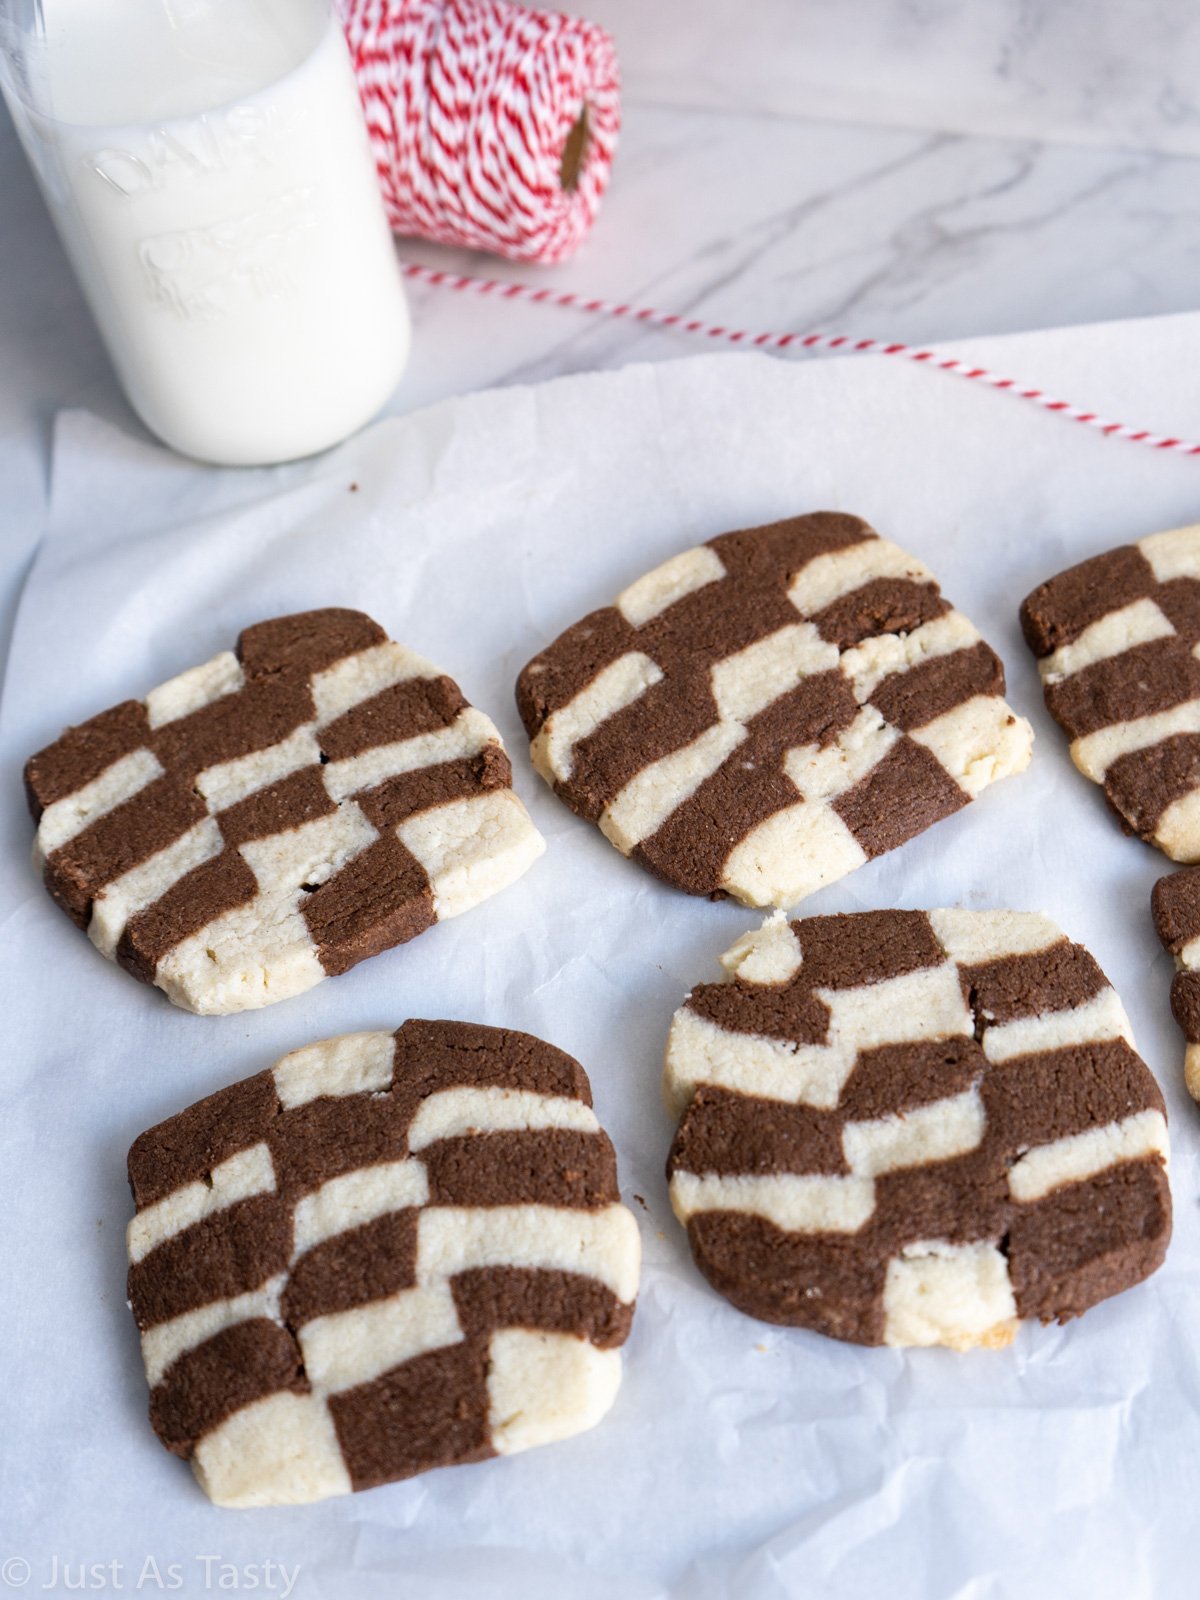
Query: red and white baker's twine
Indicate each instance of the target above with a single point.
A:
(779, 342)
(470, 105)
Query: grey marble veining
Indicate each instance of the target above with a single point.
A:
(1104, 72)
(762, 222)
(802, 170)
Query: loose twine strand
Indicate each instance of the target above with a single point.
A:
(494, 127)
(778, 343)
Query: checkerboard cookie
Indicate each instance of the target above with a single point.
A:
(391, 1252)
(1175, 904)
(1116, 640)
(278, 814)
(766, 712)
(915, 1128)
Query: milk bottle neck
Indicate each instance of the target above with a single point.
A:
(95, 64)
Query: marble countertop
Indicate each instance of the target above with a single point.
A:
(937, 173)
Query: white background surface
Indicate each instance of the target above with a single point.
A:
(913, 169)
(740, 1459)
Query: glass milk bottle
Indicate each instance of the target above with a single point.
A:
(207, 165)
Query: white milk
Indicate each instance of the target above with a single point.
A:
(208, 168)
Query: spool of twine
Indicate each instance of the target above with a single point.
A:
(493, 127)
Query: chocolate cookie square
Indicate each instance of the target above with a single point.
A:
(766, 712)
(1175, 906)
(915, 1128)
(390, 1252)
(278, 814)
(1116, 640)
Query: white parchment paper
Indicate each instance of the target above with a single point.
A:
(740, 1459)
